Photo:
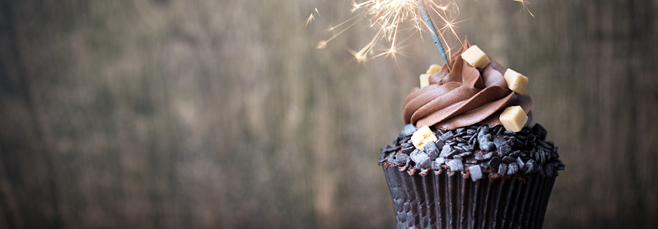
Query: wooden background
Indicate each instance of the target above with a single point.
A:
(222, 114)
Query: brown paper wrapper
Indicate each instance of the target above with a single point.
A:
(443, 201)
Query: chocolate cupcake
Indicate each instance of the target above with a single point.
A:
(468, 157)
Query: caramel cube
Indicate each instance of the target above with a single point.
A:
(513, 118)
(515, 81)
(475, 57)
(424, 80)
(433, 69)
(423, 136)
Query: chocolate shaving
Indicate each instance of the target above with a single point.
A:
(476, 151)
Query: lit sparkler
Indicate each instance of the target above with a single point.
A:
(388, 15)
(430, 27)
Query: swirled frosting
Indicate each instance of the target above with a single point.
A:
(463, 96)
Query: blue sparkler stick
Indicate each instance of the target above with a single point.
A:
(430, 27)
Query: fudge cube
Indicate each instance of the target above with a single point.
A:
(515, 81)
(423, 136)
(513, 118)
(475, 57)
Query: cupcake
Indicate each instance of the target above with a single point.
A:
(468, 156)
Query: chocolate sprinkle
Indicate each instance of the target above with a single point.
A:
(512, 168)
(402, 159)
(407, 131)
(455, 165)
(431, 150)
(476, 172)
(407, 148)
(441, 160)
(502, 170)
(475, 151)
(419, 156)
(446, 151)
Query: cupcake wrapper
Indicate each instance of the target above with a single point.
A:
(443, 201)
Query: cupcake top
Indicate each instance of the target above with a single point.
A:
(472, 119)
(463, 96)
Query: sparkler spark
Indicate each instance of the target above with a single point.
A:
(525, 3)
(310, 19)
(387, 16)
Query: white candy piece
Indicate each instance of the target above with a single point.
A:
(475, 57)
(424, 80)
(423, 136)
(433, 69)
(513, 118)
(516, 81)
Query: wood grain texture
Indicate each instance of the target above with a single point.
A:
(222, 114)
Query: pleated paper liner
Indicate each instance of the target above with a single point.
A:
(443, 201)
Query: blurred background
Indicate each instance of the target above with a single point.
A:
(223, 114)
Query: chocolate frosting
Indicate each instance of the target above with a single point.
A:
(462, 96)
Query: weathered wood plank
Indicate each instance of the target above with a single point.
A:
(222, 114)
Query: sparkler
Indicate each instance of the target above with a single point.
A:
(389, 15)
(430, 27)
